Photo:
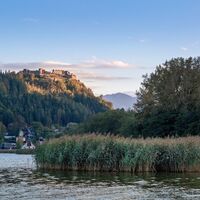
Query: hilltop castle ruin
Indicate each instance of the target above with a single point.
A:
(43, 72)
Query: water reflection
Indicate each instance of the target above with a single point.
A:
(19, 179)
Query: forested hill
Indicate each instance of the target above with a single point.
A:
(56, 97)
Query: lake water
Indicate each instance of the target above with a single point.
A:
(19, 179)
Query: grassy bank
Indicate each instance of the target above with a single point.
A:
(18, 151)
(109, 153)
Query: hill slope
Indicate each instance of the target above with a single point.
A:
(56, 97)
(120, 100)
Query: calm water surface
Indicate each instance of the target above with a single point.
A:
(19, 179)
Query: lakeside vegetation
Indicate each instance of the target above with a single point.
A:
(111, 153)
(167, 109)
(168, 104)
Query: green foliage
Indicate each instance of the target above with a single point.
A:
(1, 138)
(2, 128)
(113, 121)
(42, 131)
(111, 153)
(168, 104)
(2, 131)
(26, 97)
(168, 100)
(19, 145)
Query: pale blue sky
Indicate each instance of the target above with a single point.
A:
(109, 43)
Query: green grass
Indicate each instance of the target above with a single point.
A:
(18, 151)
(111, 153)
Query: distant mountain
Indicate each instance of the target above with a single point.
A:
(120, 100)
(130, 93)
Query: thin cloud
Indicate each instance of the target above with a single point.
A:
(92, 77)
(100, 63)
(51, 62)
(93, 63)
(184, 48)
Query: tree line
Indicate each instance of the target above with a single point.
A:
(168, 104)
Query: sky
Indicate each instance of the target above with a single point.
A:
(109, 44)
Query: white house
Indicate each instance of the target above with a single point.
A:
(28, 145)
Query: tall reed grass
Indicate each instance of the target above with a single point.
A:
(110, 153)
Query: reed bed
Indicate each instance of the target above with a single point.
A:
(111, 153)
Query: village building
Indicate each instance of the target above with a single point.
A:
(9, 142)
(58, 72)
(21, 138)
(64, 73)
(28, 145)
(8, 145)
(42, 72)
(25, 138)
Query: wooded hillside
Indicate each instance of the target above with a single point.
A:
(46, 97)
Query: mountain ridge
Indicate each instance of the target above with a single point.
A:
(120, 100)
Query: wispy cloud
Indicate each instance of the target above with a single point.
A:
(100, 77)
(101, 63)
(184, 48)
(52, 62)
(93, 63)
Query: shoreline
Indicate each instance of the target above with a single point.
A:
(18, 151)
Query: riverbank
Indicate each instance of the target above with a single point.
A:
(18, 151)
(111, 153)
